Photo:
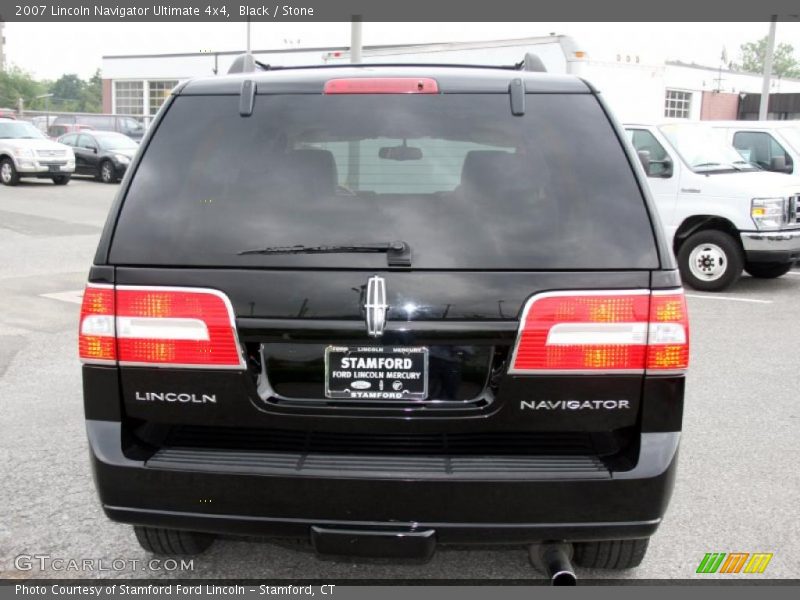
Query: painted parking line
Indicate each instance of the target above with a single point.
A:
(795, 273)
(732, 299)
(73, 296)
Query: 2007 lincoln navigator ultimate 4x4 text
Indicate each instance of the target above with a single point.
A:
(385, 308)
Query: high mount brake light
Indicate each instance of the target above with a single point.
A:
(624, 331)
(158, 326)
(382, 85)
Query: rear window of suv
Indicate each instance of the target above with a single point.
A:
(462, 181)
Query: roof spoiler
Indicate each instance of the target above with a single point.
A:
(531, 62)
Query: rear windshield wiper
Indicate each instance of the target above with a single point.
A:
(397, 253)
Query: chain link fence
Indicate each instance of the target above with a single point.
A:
(56, 123)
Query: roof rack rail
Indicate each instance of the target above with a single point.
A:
(246, 63)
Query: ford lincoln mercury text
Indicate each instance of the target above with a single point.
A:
(382, 309)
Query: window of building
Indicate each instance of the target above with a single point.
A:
(129, 97)
(158, 91)
(678, 104)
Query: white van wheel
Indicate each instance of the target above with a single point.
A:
(710, 260)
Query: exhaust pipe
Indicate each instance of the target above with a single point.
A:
(554, 560)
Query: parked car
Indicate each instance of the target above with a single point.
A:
(722, 213)
(56, 131)
(26, 152)
(8, 113)
(772, 145)
(125, 125)
(42, 122)
(102, 154)
(380, 334)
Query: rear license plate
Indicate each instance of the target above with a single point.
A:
(376, 373)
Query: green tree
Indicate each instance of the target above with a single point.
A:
(67, 92)
(71, 93)
(15, 84)
(784, 63)
(92, 99)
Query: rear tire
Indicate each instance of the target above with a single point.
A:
(8, 172)
(610, 554)
(172, 542)
(710, 260)
(768, 270)
(61, 180)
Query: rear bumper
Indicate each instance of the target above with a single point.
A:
(772, 246)
(256, 496)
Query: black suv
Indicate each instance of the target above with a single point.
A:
(384, 308)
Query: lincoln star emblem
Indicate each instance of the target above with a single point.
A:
(375, 306)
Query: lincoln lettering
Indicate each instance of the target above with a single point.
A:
(176, 397)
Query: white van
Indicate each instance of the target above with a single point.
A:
(721, 212)
(772, 145)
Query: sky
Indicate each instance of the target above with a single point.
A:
(49, 50)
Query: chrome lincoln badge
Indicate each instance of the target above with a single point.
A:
(375, 306)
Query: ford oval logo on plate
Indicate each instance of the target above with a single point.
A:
(361, 385)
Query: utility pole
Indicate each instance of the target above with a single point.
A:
(2, 46)
(764, 105)
(248, 35)
(355, 40)
(249, 61)
(722, 60)
(46, 107)
(354, 147)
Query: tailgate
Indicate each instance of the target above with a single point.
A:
(466, 324)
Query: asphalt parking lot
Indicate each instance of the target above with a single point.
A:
(738, 484)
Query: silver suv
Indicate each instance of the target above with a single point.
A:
(26, 152)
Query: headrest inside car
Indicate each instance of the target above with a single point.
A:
(314, 169)
(489, 170)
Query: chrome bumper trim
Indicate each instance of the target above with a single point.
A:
(771, 240)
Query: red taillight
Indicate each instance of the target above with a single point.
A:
(96, 342)
(179, 327)
(382, 85)
(596, 332)
(668, 339)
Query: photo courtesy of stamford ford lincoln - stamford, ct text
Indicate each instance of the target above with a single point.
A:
(363, 299)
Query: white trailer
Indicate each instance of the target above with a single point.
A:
(558, 53)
